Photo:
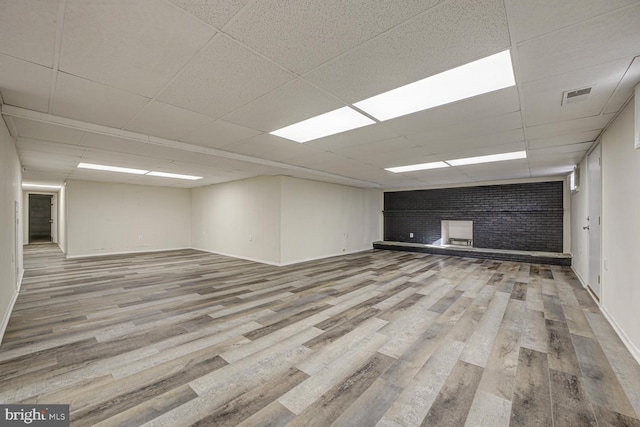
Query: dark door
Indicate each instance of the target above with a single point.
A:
(39, 218)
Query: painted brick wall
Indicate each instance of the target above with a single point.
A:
(515, 216)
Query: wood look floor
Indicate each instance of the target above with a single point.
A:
(377, 338)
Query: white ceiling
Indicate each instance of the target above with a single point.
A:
(194, 86)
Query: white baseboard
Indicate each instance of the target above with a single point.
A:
(582, 282)
(324, 256)
(20, 277)
(282, 264)
(145, 250)
(633, 349)
(261, 261)
(7, 315)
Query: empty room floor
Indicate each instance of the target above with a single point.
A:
(375, 338)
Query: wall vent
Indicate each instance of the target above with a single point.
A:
(576, 95)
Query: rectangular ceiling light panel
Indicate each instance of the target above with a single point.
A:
(475, 78)
(112, 168)
(490, 158)
(336, 121)
(418, 167)
(174, 175)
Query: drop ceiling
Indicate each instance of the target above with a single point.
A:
(194, 87)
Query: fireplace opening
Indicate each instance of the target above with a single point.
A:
(457, 233)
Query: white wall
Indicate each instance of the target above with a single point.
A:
(580, 237)
(320, 219)
(105, 218)
(239, 218)
(621, 228)
(280, 220)
(10, 192)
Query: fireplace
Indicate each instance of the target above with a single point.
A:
(458, 233)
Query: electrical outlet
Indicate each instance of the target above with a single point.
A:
(411, 235)
(140, 237)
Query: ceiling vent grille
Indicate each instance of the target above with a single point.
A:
(576, 95)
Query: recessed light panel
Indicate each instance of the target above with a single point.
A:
(174, 175)
(490, 158)
(336, 121)
(418, 167)
(111, 168)
(475, 78)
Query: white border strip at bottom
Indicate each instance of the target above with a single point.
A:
(635, 351)
(7, 315)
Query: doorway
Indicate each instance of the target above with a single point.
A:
(18, 243)
(594, 195)
(40, 218)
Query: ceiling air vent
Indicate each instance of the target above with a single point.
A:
(576, 95)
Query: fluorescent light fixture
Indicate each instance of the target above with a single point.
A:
(336, 121)
(56, 187)
(112, 168)
(490, 158)
(475, 78)
(174, 175)
(419, 167)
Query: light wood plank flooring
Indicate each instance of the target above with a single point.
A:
(376, 338)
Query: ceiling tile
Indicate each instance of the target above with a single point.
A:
(317, 161)
(126, 160)
(48, 132)
(448, 35)
(625, 89)
(270, 147)
(227, 90)
(360, 136)
(497, 174)
(568, 127)
(219, 134)
(467, 113)
(124, 146)
(286, 105)
(400, 157)
(434, 145)
(24, 84)
(572, 138)
(222, 78)
(49, 148)
(610, 37)
(342, 167)
(28, 30)
(542, 98)
(137, 45)
(75, 98)
(377, 149)
(436, 176)
(550, 170)
(283, 31)
(488, 168)
(166, 121)
(483, 151)
(534, 18)
(550, 155)
(581, 147)
(213, 12)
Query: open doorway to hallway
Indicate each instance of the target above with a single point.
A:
(40, 218)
